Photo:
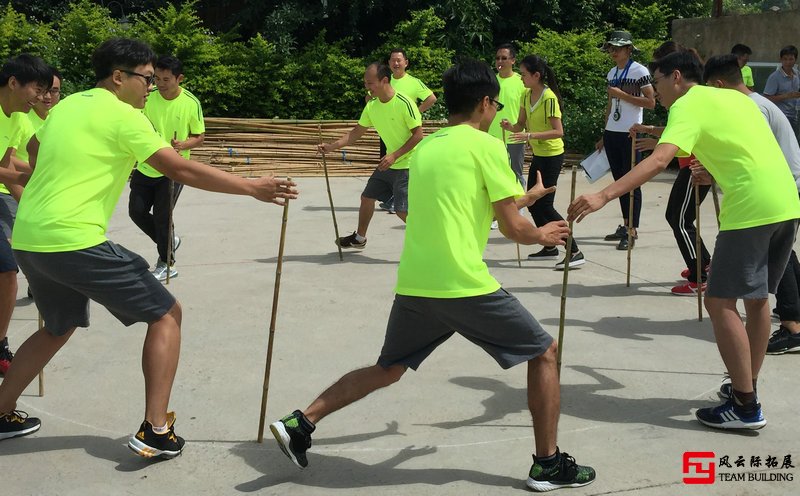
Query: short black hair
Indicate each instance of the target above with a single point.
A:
(170, 63)
(666, 48)
(723, 67)
(120, 53)
(466, 84)
(682, 60)
(789, 50)
(26, 68)
(398, 50)
(382, 70)
(741, 50)
(509, 47)
(56, 73)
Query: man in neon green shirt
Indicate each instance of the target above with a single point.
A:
(511, 91)
(178, 117)
(460, 180)
(82, 158)
(407, 84)
(743, 53)
(23, 79)
(398, 123)
(725, 130)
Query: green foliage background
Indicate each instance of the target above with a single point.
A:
(302, 59)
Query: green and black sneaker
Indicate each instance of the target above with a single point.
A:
(293, 433)
(564, 473)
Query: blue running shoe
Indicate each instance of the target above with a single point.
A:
(731, 416)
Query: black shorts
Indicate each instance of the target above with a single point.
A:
(63, 283)
(496, 322)
(382, 185)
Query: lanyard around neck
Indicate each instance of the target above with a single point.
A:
(615, 81)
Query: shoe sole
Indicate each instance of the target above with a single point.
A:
(693, 293)
(734, 424)
(171, 276)
(787, 350)
(572, 265)
(357, 247)
(543, 257)
(25, 432)
(280, 434)
(544, 486)
(146, 451)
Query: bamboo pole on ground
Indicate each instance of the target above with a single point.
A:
(563, 315)
(697, 246)
(275, 294)
(41, 372)
(630, 214)
(330, 199)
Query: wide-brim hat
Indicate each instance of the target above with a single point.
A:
(620, 38)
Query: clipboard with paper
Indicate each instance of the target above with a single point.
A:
(596, 165)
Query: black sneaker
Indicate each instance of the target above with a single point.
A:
(575, 260)
(546, 253)
(623, 243)
(351, 242)
(783, 341)
(5, 356)
(620, 233)
(293, 433)
(565, 473)
(17, 423)
(148, 444)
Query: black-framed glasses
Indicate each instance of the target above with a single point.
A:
(54, 91)
(147, 79)
(655, 80)
(497, 104)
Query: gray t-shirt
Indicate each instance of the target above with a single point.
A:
(783, 132)
(779, 83)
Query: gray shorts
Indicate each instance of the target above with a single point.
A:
(63, 283)
(382, 185)
(749, 263)
(8, 211)
(496, 322)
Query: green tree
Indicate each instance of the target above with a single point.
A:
(18, 35)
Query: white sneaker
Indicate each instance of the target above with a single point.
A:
(160, 272)
(176, 243)
(494, 226)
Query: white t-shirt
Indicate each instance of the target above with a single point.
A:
(631, 80)
(784, 134)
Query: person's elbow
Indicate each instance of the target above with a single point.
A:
(651, 103)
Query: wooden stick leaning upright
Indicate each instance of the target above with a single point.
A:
(630, 214)
(41, 374)
(330, 197)
(566, 277)
(170, 227)
(697, 252)
(519, 257)
(275, 293)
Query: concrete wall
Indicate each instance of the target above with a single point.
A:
(765, 33)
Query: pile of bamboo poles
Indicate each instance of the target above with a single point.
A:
(254, 147)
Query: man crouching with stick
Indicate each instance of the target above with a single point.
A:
(83, 156)
(459, 181)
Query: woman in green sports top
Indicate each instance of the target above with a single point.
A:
(539, 124)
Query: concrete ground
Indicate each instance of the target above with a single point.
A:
(636, 365)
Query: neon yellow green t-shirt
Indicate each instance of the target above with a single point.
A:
(411, 87)
(455, 176)
(722, 129)
(537, 120)
(89, 144)
(181, 116)
(11, 129)
(393, 121)
(511, 91)
(747, 76)
(33, 124)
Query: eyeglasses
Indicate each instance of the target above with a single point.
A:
(54, 91)
(147, 79)
(656, 79)
(497, 104)
(501, 58)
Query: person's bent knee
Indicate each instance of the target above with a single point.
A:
(393, 373)
(550, 354)
(175, 313)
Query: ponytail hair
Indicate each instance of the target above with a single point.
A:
(533, 64)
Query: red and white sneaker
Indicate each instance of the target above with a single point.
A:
(685, 272)
(688, 289)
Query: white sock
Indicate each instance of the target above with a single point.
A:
(360, 238)
(161, 430)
